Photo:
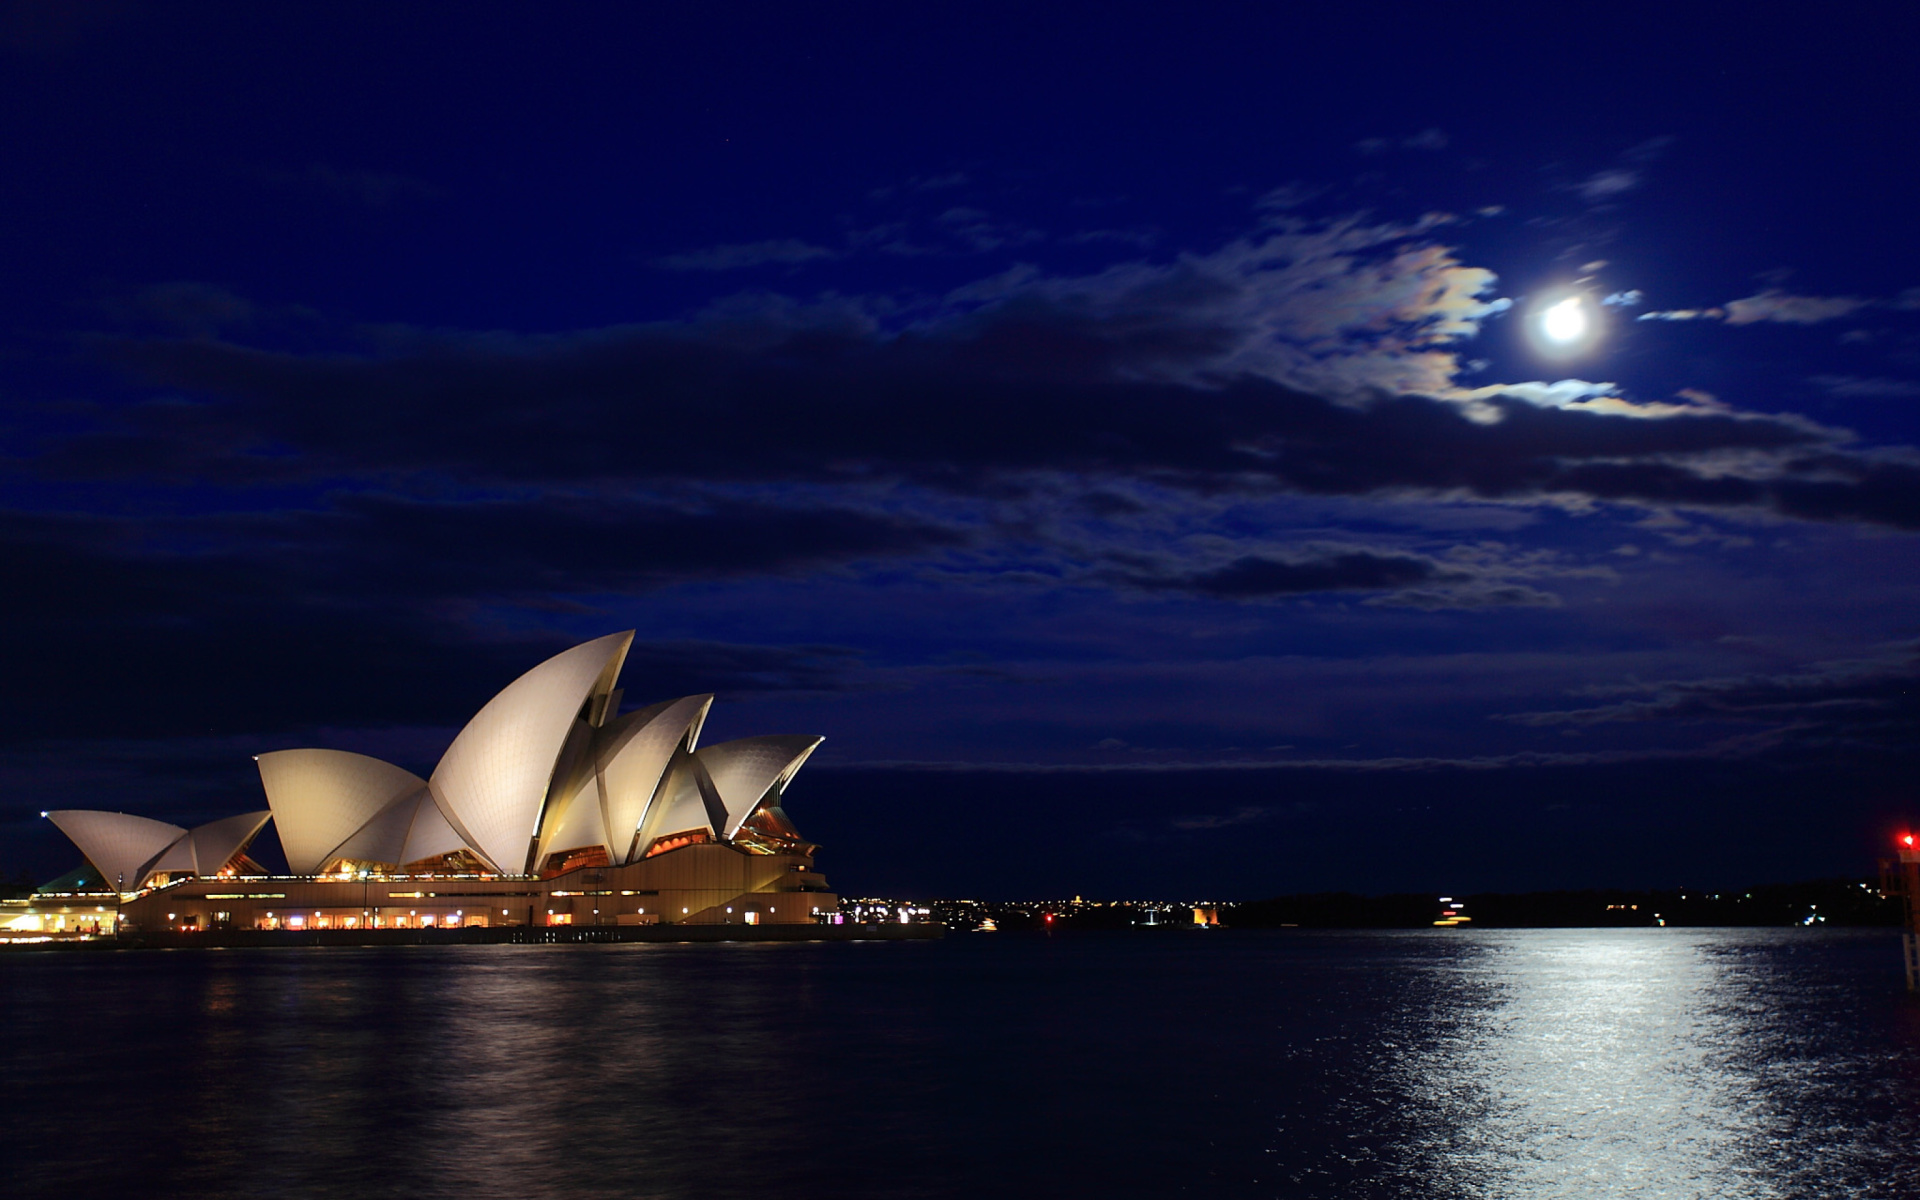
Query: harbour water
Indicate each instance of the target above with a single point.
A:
(1288, 1063)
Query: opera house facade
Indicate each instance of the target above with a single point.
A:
(550, 808)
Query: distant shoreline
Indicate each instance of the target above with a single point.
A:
(1825, 902)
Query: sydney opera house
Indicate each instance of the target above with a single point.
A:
(550, 808)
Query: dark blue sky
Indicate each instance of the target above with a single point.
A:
(1123, 432)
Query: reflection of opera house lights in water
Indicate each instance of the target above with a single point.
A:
(1564, 325)
(550, 808)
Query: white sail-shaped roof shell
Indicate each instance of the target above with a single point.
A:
(682, 804)
(633, 759)
(320, 798)
(609, 775)
(177, 857)
(215, 843)
(575, 820)
(748, 770)
(119, 844)
(408, 830)
(493, 781)
(431, 834)
(128, 849)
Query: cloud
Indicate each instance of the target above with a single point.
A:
(1649, 150)
(1290, 195)
(357, 611)
(1256, 576)
(1249, 814)
(1610, 183)
(1685, 314)
(1032, 386)
(1775, 305)
(679, 668)
(1430, 139)
(373, 189)
(737, 256)
(1138, 238)
(1855, 387)
(1626, 299)
(1468, 577)
(1605, 185)
(1872, 702)
(1282, 767)
(1770, 305)
(186, 308)
(978, 232)
(440, 551)
(1335, 307)
(1316, 358)
(1477, 594)
(922, 183)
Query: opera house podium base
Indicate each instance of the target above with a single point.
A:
(705, 884)
(887, 931)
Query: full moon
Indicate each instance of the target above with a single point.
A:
(1565, 322)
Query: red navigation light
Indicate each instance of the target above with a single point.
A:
(1050, 915)
(1907, 838)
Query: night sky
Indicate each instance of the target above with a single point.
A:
(1128, 435)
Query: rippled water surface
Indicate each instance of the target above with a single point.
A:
(1580, 1063)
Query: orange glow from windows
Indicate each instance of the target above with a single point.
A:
(572, 860)
(675, 841)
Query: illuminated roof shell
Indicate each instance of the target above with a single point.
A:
(215, 843)
(575, 819)
(493, 781)
(682, 804)
(320, 798)
(129, 849)
(750, 770)
(633, 760)
(120, 844)
(408, 830)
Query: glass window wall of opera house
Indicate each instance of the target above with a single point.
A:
(550, 808)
